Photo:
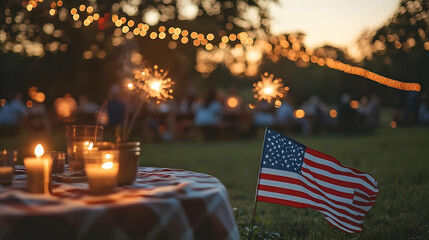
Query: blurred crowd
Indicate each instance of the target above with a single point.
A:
(214, 115)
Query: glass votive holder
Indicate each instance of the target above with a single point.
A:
(7, 166)
(78, 138)
(101, 167)
(58, 161)
(39, 174)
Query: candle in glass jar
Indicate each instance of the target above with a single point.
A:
(102, 172)
(6, 175)
(38, 170)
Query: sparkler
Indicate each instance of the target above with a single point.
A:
(269, 88)
(154, 83)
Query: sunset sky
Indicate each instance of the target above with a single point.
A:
(335, 22)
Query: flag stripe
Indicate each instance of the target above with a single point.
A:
(329, 160)
(326, 165)
(328, 192)
(305, 203)
(339, 178)
(322, 182)
(298, 192)
(277, 180)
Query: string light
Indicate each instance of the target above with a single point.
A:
(292, 54)
(289, 47)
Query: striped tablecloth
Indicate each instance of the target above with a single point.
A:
(162, 204)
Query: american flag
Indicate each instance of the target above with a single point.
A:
(295, 175)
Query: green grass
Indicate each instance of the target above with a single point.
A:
(397, 158)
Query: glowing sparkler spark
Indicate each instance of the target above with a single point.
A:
(154, 83)
(268, 88)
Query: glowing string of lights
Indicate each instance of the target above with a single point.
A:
(204, 40)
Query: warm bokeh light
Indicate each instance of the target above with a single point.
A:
(130, 86)
(268, 88)
(393, 124)
(252, 106)
(29, 104)
(354, 104)
(232, 102)
(39, 151)
(299, 113)
(333, 113)
(107, 165)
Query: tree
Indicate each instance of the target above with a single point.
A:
(79, 46)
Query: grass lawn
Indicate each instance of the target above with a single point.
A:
(397, 158)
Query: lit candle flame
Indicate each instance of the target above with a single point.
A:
(39, 150)
(107, 165)
(130, 86)
(90, 146)
(108, 156)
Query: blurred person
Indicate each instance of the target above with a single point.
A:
(37, 117)
(284, 117)
(411, 108)
(363, 112)
(13, 114)
(115, 106)
(284, 114)
(374, 113)
(86, 106)
(424, 110)
(185, 114)
(316, 112)
(208, 116)
(86, 111)
(346, 115)
(263, 115)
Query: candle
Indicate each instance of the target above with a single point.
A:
(6, 175)
(101, 167)
(39, 171)
(78, 150)
(7, 163)
(78, 138)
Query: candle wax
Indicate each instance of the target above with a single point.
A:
(38, 174)
(101, 181)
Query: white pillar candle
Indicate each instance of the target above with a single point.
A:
(38, 170)
(101, 168)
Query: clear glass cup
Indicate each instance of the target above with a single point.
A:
(7, 166)
(101, 167)
(58, 161)
(78, 138)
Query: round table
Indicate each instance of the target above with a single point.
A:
(162, 204)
